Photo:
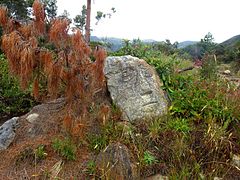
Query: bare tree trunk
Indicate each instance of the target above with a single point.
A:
(87, 28)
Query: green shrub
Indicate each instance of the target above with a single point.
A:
(13, 101)
(209, 67)
(165, 66)
(135, 48)
(65, 148)
(97, 142)
(40, 152)
(200, 99)
(91, 168)
(149, 159)
(179, 124)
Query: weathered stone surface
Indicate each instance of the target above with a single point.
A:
(217, 178)
(227, 72)
(157, 177)
(135, 87)
(236, 160)
(39, 118)
(7, 133)
(115, 163)
(32, 117)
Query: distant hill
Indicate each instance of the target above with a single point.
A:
(116, 43)
(95, 38)
(232, 41)
(149, 41)
(186, 43)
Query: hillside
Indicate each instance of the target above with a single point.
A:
(232, 41)
(147, 111)
(186, 43)
(117, 43)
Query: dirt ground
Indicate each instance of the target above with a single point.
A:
(19, 161)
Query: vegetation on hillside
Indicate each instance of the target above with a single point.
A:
(201, 133)
(13, 101)
(226, 52)
(197, 139)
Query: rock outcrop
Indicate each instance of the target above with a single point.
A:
(39, 118)
(35, 123)
(135, 87)
(115, 163)
(7, 133)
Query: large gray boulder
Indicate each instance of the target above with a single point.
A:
(135, 87)
(7, 133)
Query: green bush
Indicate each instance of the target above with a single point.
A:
(136, 48)
(40, 152)
(97, 142)
(165, 66)
(209, 67)
(149, 159)
(13, 101)
(91, 168)
(201, 99)
(65, 148)
(181, 125)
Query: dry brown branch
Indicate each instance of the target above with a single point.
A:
(66, 66)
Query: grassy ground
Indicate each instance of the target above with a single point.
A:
(197, 139)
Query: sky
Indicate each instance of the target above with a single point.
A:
(176, 20)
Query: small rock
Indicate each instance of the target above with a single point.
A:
(217, 178)
(115, 163)
(7, 133)
(236, 160)
(32, 117)
(157, 177)
(227, 72)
